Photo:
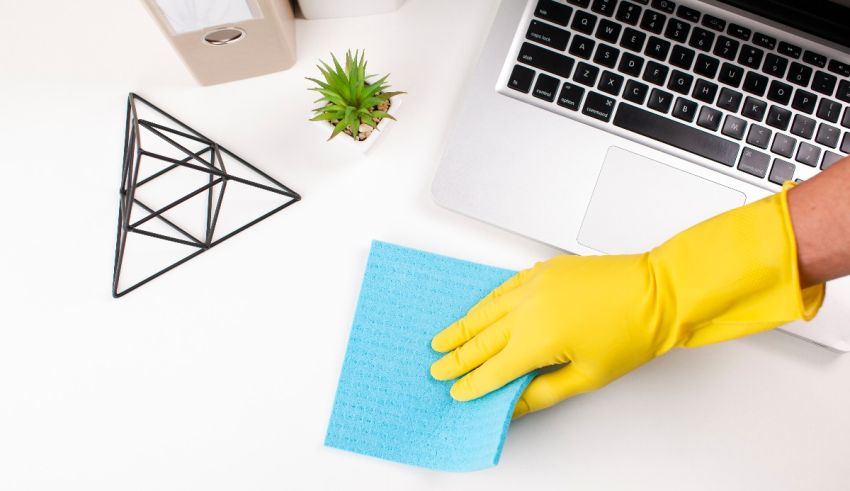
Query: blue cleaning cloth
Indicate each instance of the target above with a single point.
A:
(387, 405)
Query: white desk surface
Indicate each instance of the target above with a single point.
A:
(221, 374)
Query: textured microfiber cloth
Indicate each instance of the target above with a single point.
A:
(387, 405)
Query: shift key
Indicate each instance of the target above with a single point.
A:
(546, 60)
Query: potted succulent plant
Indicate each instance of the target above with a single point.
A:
(350, 103)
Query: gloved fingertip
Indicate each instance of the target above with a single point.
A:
(438, 344)
(459, 394)
(438, 372)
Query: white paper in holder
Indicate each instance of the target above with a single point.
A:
(193, 15)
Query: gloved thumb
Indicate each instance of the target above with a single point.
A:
(551, 388)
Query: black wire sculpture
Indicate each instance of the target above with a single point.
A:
(208, 160)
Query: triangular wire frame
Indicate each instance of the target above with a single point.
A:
(207, 160)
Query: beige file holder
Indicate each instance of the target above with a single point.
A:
(225, 40)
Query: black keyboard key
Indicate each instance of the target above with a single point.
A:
(779, 92)
(712, 22)
(701, 39)
(604, 7)
(779, 117)
(803, 127)
(775, 65)
(829, 158)
(729, 100)
(682, 57)
(546, 87)
(754, 109)
(734, 127)
(599, 106)
(655, 73)
(688, 13)
(657, 48)
(660, 100)
(750, 56)
(789, 50)
(545, 59)
(764, 40)
(731, 74)
(630, 64)
(635, 92)
(799, 74)
(754, 162)
(783, 145)
(586, 74)
(781, 172)
(755, 83)
(554, 12)
(824, 83)
(739, 32)
(521, 78)
(611, 83)
(677, 30)
(808, 154)
(726, 48)
(584, 22)
(680, 82)
(845, 121)
(829, 110)
(664, 5)
(705, 91)
(759, 136)
(608, 31)
(628, 13)
(633, 39)
(828, 135)
(676, 134)
(709, 118)
(653, 21)
(580, 3)
(685, 110)
(845, 143)
(843, 93)
(804, 101)
(548, 35)
(706, 66)
(582, 47)
(813, 58)
(839, 68)
(570, 96)
(606, 55)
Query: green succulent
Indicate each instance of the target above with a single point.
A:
(349, 99)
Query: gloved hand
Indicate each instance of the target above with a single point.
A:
(602, 316)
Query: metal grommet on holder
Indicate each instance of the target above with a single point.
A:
(223, 36)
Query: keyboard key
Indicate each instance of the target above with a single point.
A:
(783, 145)
(701, 39)
(684, 109)
(660, 100)
(688, 13)
(604, 7)
(633, 39)
(845, 143)
(521, 78)
(828, 135)
(582, 47)
(739, 32)
(829, 110)
(734, 127)
(789, 50)
(706, 66)
(781, 172)
(709, 118)
(843, 91)
(630, 64)
(554, 12)
(824, 83)
(804, 101)
(839, 68)
(545, 59)
(759, 136)
(586, 74)
(608, 31)
(754, 162)
(779, 118)
(606, 55)
(845, 121)
(829, 158)
(712, 22)
(799, 74)
(754, 109)
(584, 22)
(814, 59)
(677, 30)
(755, 83)
(570, 96)
(664, 5)
(676, 134)
(546, 87)
(764, 40)
(548, 35)
(779, 92)
(611, 83)
(682, 57)
(598, 106)
(750, 56)
(775, 65)
(628, 13)
(657, 48)
(705, 91)
(726, 48)
(808, 154)
(655, 73)
(680, 82)
(653, 21)
(729, 100)
(731, 74)
(803, 127)
(635, 92)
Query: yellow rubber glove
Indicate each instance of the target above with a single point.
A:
(730, 276)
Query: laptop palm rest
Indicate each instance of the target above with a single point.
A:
(638, 203)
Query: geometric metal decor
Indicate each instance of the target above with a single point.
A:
(172, 204)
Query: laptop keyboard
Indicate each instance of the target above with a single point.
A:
(676, 75)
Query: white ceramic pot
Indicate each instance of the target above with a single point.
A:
(323, 9)
(364, 145)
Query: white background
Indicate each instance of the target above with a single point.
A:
(221, 374)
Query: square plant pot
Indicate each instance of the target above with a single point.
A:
(362, 146)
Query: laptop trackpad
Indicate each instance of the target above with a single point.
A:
(638, 203)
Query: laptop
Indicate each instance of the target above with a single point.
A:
(607, 126)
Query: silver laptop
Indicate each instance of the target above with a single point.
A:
(606, 126)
